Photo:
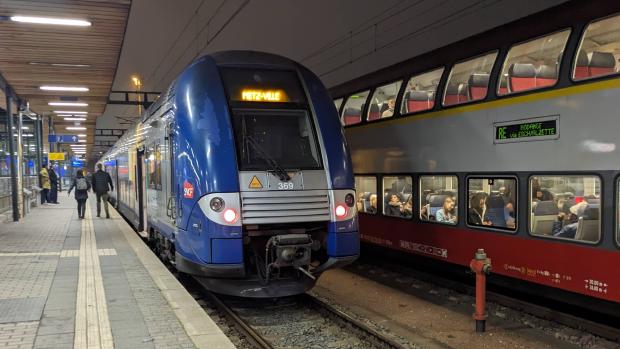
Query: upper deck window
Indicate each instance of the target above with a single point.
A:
(533, 64)
(469, 80)
(383, 101)
(352, 111)
(338, 103)
(262, 86)
(420, 92)
(599, 50)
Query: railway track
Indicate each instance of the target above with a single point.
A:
(539, 311)
(301, 321)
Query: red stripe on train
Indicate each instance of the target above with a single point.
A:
(582, 269)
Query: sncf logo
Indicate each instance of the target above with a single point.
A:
(188, 190)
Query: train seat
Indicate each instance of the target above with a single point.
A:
(373, 112)
(581, 67)
(478, 86)
(588, 226)
(546, 75)
(545, 213)
(463, 93)
(351, 116)
(601, 63)
(495, 211)
(417, 101)
(521, 77)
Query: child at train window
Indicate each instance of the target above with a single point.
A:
(394, 206)
(477, 210)
(447, 213)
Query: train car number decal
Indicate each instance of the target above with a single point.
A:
(188, 190)
(286, 186)
(525, 130)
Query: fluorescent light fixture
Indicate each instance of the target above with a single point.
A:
(75, 119)
(23, 128)
(81, 141)
(68, 104)
(73, 65)
(75, 128)
(65, 88)
(70, 112)
(54, 21)
(81, 135)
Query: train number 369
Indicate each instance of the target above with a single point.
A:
(285, 186)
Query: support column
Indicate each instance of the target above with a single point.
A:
(12, 158)
(38, 134)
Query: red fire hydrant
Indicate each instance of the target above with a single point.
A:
(481, 265)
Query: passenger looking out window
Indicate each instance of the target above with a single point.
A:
(366, 188)
(492, 203)
(397, 196)
(383, 101)
(598, 52)
(438, 199)
(565, 207)
(447, 213)
(420, 92)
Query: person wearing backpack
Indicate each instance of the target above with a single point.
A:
(81, 185)
(102, 183)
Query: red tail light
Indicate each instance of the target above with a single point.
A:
(230, 216)
(341, 211)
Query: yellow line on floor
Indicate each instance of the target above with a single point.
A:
(92, 325)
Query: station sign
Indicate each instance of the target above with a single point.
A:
(56, 156)
(62, 138)
(526, 130)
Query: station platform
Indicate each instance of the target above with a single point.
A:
(92, 283)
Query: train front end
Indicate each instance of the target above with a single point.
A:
(279, 208)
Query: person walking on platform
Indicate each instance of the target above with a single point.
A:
(102, 183)
(82, 187)
(53, 197)
(45, 185)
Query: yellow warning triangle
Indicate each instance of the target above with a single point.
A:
(255, 183)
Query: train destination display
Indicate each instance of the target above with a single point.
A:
(527, 130)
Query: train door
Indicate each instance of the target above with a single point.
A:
(171, 200)
(139, 180)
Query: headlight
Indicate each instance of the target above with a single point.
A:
(217, 204)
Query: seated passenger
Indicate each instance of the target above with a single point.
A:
(373, 204)
(570, 222)
(543, 195)
(390, 110)
(509, 214)
(447, 213)
(360, 203)
(393, 206)
(477, 210)
(424, 213)
(407, 208)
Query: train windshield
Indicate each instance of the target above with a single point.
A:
(275, 140)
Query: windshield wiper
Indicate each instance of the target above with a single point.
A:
(279, 171)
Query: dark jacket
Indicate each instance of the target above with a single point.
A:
(79, 194)
(101, 180)
(53, 177)
(392, 209)
(568, 231)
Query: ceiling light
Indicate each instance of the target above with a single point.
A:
(54, 21)
(61, 64)
(69, 104)
(65, 88)
(81, 141)
(81, 135)
(75, 119)
(70, 112)
(75, 128)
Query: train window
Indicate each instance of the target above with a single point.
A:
(352, 111)
(383, 101)
(492, 202)
(397, 196)
(533, 64)
(366, 189)
(420, 92)
(618, 212)
(599, 50)
(153, 160)
(565, 207)
(338, 103)
(469, 80)
(439, 199)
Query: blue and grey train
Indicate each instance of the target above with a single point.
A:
(240, 175)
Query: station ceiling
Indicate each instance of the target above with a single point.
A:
(339, 40)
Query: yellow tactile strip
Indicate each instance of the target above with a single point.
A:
(201, 329)
(92, 325)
